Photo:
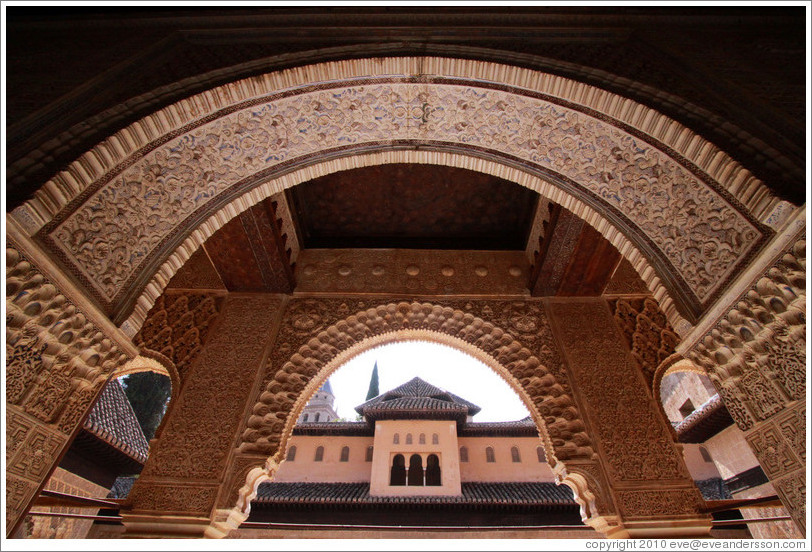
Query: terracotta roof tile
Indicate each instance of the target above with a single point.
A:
(704, 422)
(334, 428)
(520, 428)
(528, 494)
(112, 419)
(417, 395)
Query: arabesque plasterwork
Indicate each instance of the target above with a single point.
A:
(701, 234)
(57, 361)
(755, 356)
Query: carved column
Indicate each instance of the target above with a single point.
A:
(176, 492)
(756, 357)
(649, 483)
(60, 350)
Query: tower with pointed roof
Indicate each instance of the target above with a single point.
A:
(320, 407)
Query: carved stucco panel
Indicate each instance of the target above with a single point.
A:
(756, 353)
(177, 327)
(110, 236)
(635, 443)
(199, 434)
(53, 352)
(19, 492)
(57, 361)
(667, 503)
(32, 448)
(596, 481)
(792, 426)
(792, 490)
(774, 453)
(169, 498)
(648, 334)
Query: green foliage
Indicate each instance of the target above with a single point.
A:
(148, 394)
(373, 384)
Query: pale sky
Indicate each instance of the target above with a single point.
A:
(440, 366)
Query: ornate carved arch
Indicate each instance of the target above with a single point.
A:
(280, 402)
(284, 396)
(672, 365)
(151, 361)
(198, 155)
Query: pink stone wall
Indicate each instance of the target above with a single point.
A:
(730, 452)
(503, 469)
(304, 468)
(700, 469)
(691, 387)
(446, 449)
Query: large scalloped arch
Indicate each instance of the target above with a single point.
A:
(554, 412)
(285, 395)
(117, 213)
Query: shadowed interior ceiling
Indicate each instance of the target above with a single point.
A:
(413, 207)
(408, 207)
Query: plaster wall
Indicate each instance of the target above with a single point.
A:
(699, 468)
(503, 469)
(730, 452)
(447, 449)
(691, 387)
(304, 468)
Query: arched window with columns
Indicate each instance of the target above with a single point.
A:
(415, 471)
(397, 475)
(433, 475)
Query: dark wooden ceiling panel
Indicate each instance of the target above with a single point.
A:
(575, 260)
(249, 253)
(413, 207)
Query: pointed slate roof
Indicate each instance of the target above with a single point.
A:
(326, 387)
(417, 399)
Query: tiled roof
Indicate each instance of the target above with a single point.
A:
(704, 422)
(520, 428)
(417, 395)
(362, 429)
(112, 419)
(526, 494)
(121, 487)
(416, 408)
